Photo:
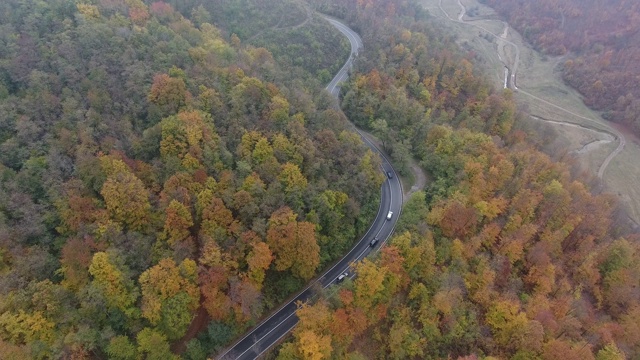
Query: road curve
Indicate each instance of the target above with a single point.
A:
(356, 45)
(282, 321)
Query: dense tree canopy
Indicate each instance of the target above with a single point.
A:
(159, 175)
(601, 40)
(145, 157)
(504, 255)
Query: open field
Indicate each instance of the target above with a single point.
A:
(541, 91)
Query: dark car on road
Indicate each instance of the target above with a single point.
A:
(373, 242)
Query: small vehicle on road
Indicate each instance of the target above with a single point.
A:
(389, 215)
(373, 242)
(341, 277)
(389, 174)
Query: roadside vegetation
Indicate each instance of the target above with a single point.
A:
(506, 254)
(299, 39)
(170, 171)
(158, 178)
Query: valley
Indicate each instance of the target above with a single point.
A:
(540, 91)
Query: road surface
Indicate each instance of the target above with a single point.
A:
(356, 45)
(281, 322)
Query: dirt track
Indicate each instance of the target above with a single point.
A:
(512, 84)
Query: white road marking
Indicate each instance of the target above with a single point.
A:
(331, 88)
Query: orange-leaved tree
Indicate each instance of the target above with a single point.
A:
(293, 243)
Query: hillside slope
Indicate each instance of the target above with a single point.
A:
(602, 40)
(152, 169)
(504, 255)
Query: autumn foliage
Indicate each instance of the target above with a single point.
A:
(601, 40)
(504, 255)
(161, 188)
(293, 243)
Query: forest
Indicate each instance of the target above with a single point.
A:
(162, 184)
(505, 255)
(169, 173)
(299, 39)
(601, 41)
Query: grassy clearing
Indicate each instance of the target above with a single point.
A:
(539, 76)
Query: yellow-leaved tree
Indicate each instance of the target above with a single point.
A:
(170, 295)
(119, 291)
(312, 335)
(125, 196)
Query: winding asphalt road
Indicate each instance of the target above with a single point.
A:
(282, 321)
(356, 45)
